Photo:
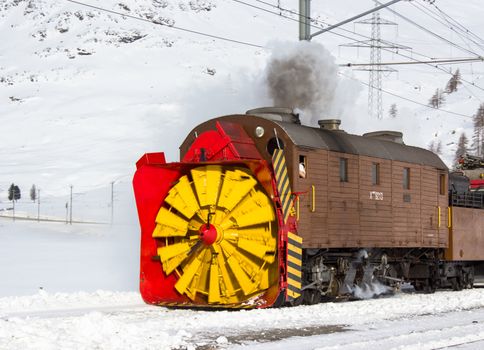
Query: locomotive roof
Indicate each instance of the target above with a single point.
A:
(340, 141)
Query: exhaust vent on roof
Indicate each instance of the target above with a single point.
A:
(281, 114)
(385, 135)
(329, 124)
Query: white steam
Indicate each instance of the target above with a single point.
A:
(370, 291)
(304, 75)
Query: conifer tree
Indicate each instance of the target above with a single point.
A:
(393, 110)
(461, 148)
(453, 82)
(16, 193)
(478, 137)
(10, 192)
(13, 192)
(437, 100)
(33, 193)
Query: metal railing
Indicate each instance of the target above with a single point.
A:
(467, 199)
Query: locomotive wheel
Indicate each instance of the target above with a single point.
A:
(217, 233)
(311, 296)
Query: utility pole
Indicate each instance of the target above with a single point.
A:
(38, 204)
(304, 20)
(112, 202)
(67, 213)
(13, 202)
(70, 218)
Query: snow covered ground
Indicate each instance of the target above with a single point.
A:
(75, 287)
(108, 320)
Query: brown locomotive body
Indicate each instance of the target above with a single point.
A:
(371, 193)
(357, 209)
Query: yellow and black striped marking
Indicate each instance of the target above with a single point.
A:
(282, 179)
(294, 263)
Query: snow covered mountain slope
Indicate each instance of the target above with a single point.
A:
(86, 92)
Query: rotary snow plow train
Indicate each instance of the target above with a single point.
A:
(262, 211)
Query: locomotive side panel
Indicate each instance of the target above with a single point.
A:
(375, 200)
(429, 208)
(406, 204)
(444, 203)
(343, 206)
(313, 215)
(466, 235)
(433, 208)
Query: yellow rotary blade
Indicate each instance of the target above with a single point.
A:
(238, 267)
(201, 282)
(235, 186)
(253, 210)
(189, 271)
(207, 182)
(264, 278)
(170, 251)
(256, 240)
(227, 287)
(169, 224)
(214, 285)
(252, 247)
(170, 265)
(240, 263)
(182, 198)
(240, 276)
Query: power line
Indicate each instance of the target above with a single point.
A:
(445, 22)
(242, 42)
(463, 28)
(408, 99)
(361, 35)
(450, 61)
(313, 20)
(165, 25)
(428, 30)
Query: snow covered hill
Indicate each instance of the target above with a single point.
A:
(86, 92)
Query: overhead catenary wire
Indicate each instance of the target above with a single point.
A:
(361, 35)
(456, 28)
(164, 25)
(311, 20)
(407, 99)
(427, 30)
(238, 41)
(463, 28)
(447, 61)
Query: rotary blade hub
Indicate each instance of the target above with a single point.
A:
(208, 234)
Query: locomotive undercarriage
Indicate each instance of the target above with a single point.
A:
(364, 273)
